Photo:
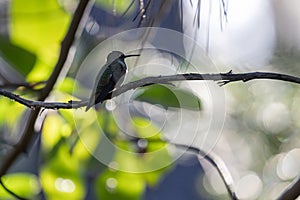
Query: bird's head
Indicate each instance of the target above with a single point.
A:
(114, 55)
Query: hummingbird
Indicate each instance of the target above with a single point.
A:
(111, 76)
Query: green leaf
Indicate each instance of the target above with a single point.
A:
(168, 96)
(67, 85)
(38, 26)
(23, 184)
(120, 185)
(18, 57)
(60, 176)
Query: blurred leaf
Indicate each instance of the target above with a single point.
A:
(52, 131)
(107, 122)
(60, 176)
(67, 85)
(53, 152)
(120, 185)
(145, 129)
(88, 141)
(147, 154)
(119, 6)
(168, 96)
(6, 108)
(38, 27)
(23, 184)
(68, 116)
(18, 57)
(152, 178)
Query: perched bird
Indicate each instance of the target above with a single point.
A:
(110, 77)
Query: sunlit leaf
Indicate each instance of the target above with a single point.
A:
(61, 178)
(68, 116)
(107, 123)
(39, 28)
(120, 185)
(67, 85)
(7, 105)
(145, 129)
(54, 128)
(89, 138)
(168, 96)
(23, 184)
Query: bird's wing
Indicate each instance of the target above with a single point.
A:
(98, 86)
(103, 90)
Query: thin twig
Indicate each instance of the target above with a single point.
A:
(217, 163)
(41, 104)
(212, 158)
(221, 78)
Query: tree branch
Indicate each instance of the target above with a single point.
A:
(41, 104)
(221, 78)
(29, 128)
(217, 163)
(65, 48)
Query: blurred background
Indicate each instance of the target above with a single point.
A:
(252, 127)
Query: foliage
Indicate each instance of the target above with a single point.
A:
(65, 162)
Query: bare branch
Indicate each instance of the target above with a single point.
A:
(229, 77)
(65, 48)
(224, 77)
(221, 78)
(217, 163)
(212, 158)
(41, 104)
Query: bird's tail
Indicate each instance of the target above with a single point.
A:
(100, 96)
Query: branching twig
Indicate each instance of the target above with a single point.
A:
(227, 77)
(217, 163)
(221, 78)
(212, 158)
(41, 104)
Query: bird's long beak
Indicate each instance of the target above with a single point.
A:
(132, 55)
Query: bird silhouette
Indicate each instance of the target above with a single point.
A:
(111, 76)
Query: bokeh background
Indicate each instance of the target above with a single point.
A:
(258, 139)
